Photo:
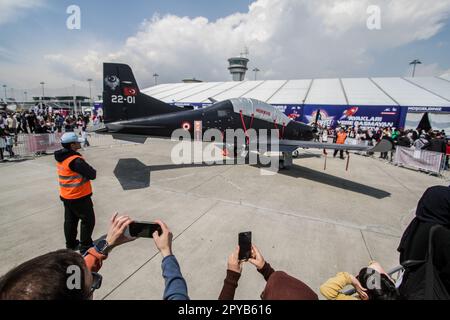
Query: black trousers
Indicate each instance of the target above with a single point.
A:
(341, 153)
(74, 211)
(10, 150)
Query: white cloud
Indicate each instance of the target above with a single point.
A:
(427, 70)
(11, 10)
(85, 66)
(287, 39)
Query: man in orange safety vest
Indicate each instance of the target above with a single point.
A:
(341, 137)
(74, 178)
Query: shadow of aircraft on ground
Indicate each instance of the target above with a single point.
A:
(300, 172)
(132, 174)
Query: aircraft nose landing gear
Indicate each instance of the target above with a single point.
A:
(285, 160)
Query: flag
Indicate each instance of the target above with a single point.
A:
(130, 91)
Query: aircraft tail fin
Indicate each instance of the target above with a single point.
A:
(122, 99)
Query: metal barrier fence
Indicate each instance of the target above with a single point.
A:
(27, 146)
(420, 159)
(352, 141)
(30, 145)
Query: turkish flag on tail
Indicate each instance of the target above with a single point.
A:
(130, 91)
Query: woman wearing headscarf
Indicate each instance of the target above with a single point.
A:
(280, 285)
(433, 210)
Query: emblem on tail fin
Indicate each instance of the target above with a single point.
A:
(130, 91)
(112, 81)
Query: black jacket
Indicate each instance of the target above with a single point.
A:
(78, 165)
(404, 141)
(432, 209)
(437, 145)
(417, 249)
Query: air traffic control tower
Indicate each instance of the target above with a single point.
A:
(238, 67)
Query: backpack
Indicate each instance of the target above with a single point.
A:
(421, 280)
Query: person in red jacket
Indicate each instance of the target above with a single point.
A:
(448, 154)
(279, 286)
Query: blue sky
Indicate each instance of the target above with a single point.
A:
(115, 20)
(287, 39)
(103, 20)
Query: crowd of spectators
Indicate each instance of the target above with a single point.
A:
(39, 120)
(418, 139)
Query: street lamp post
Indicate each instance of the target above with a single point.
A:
(414, 63)
(90, 89)
(156, 78)
(43, 90)
(25, 94)
(256, 70)
(74, 99)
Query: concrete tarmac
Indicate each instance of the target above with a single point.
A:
(306, 221)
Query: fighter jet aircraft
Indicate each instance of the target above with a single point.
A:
(134, 116)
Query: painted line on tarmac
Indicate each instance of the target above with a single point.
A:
(369, 228)
(367, 247)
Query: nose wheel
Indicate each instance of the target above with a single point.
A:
(285, 161)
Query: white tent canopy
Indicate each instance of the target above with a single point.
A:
(408, 92)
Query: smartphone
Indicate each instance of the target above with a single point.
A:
(143, 229)
(245, 245)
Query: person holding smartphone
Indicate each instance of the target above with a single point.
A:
(64, 274)
(280, 285)
(175, 285)
(47, 277)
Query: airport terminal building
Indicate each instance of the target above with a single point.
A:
(364, 102)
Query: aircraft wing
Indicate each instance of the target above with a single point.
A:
(383, 146)
(102, 130)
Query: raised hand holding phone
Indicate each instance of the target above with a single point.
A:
(257, 259)
(143, 229)
(163, 241)
(116, 233)
(245, 246)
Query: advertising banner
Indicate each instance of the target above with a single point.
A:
(429, 109)
(293, 111)
(353, 116)
(342, 115)
(98, 109)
